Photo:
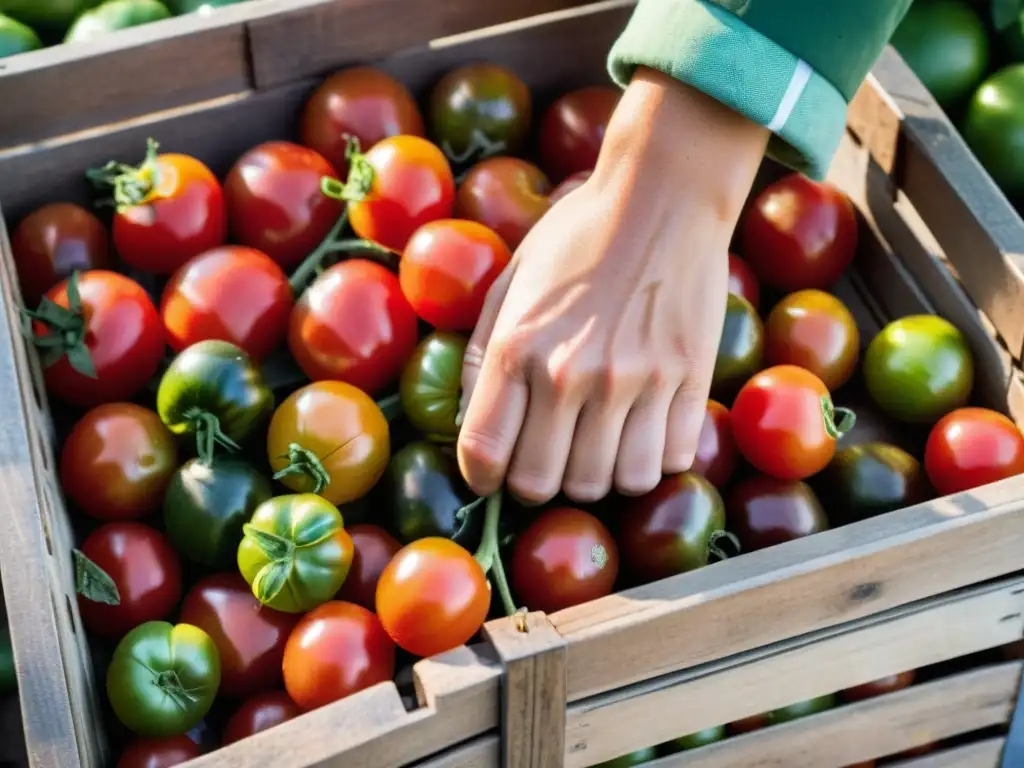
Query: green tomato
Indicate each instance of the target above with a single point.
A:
(694, 740)
(869, 479)
(639, 757)
(114, 15)
(8, 673)
(16, 37)
(206, 505)
(181, 7)
(50, 18)
(802, 709)
(994, 128)
(163, 678)
(431, 384)
(295, 553)
(740, 349)
(919, 368)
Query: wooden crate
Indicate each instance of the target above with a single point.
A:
(925, 584)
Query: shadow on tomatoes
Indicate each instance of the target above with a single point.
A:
(373, 548)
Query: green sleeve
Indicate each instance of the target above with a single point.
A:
(790, 65)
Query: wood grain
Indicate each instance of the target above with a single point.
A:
(484, 752)
(980, 754)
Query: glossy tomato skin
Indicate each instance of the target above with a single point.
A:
(336, 650)
(424, 490)
(573, 128)
(740, 348)
(432, 597)
(764, 511)
(869, 479)
(259, 713)
(563, 558)
(159, 752)
(374, 547)
(117, 462)
(883, 685)
(813, 330)
(249, 636)
(361, 102)
(232, 293)
(275, 204)
(971, 447)
(431, 384)
(569, 184)
(779, 424)
(123, 334)
(505, 194)
(447, 269)
(800, 234)
(353, 324)
(54, 241)
(716, 456)
(145, 569)
(412, 185)
(743, 282)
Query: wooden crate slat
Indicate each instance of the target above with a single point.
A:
(484, 752)
(980, 754)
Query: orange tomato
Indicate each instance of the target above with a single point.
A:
(814, 330)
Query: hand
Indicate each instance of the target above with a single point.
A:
(593, 356)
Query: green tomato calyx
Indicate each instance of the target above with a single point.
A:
(838, 421)
(92, 582)
(302, 461)
(131, 185)
(208, 434)
(716, 551)
(272, 577)
(65, 334)
(360, 176)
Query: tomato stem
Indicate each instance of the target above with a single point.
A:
(369, 249)
(208, 433)
(833, 427)
(66, 331)
(360, 176)
(480, 147)
(488, 554)
(302, 461)
(304, 273)
(719, 553)
(132, 185)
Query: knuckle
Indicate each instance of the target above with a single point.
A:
(515, 355)
(482, 452)
(531, 487)
(637, 483)
(586, 490)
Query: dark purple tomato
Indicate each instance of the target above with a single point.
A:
(763, 512)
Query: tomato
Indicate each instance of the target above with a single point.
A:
(971, 447)
(919, 368)
(181, 7)
(764, 511)
(374, 547)
(716, 456)
(672, 529)
(431, 385)
(361, 102)
(274, 201)
(505, 194)
(145, 569)
(784, 423)
(424, 490)
(100, 338)
(159, 753)
(802, 709)
(573, 128)
(695, 740)
(117, 462)
(870, 479)
(112, 15)
(740, 348)
(259, 713)
(742, 281)
(447, 269)
(233, 293)
(480, 109)
(336, 650)
(748, 724)
(169, 209)
(163, 678)
(329, 438)
(433, 596)
(813, 330)
(573, 182)
(250, 637)
(639, 757)
(353, 324)
(53, 242)
(880, 687)
(50, 18)
(563, 558)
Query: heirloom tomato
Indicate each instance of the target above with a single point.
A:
(259, 713)
(50, 18)
(868, 479)
(742, 281)
(716, 456)
(425, 491)
(431, 385)
(112, 15)
(573, 128)
(373, 549)
(570, 184)
(971, 447)
(163, 752)
(764, 511)
(740, 348)
(505, 194)
(883, 685)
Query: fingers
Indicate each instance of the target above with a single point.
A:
(477, 347)
(639, 461)
(684, 421)
(591, 466)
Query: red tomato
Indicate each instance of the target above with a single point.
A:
(117, 462)
(406, 182)
(748, 724)
(800, 234)
(571, 183)
(353, 324)
(879, 687)
(121, 331)
(374, 548)
(447, 269)
(573, 128)
(743, 281)
(159, 752)
(232, 293)
(54, 241)
(506, 194)
(361, 102)
(275, 204)
(565, 557)
(779, 422)
(716, 456)
(145, 569)
(262, 711)
(432, 597)
(336, 650)
(249, 636)
(971, 447)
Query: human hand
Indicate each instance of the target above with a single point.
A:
(591, 363)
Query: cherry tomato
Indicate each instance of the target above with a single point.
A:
(564, 557)
(573, 128)
(506, 194)
(232, 293)
(748, 724)
(783, 423)
(353, 324)
(159, 752)
(800, 234)
(249, 636)
(971, 447)
(740, 348)
(336, 650)
(374, 548)
(447, 269)
(112, 327)
(813, 330)
(259, 713)
(883, 685)
(716, 456)
(432, 597)
(169, 209)
(361, 102)
(764, 511)
(568, 185)
(117, 462)
(742, 281)
(274, 201)
(145, 569)
(54, 241)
